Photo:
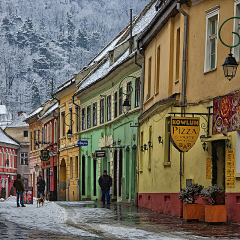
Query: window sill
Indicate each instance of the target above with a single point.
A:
(149, 100)
(167, 164)
(211, 70)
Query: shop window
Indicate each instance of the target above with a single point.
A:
(102, 111)
(211, 38)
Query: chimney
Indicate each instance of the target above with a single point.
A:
(19, 113)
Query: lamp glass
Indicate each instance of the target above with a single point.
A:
(230, 67)
(69, 133)
(126, 106)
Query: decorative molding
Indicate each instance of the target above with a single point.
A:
(213, 11)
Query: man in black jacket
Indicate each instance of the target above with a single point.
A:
(41, 186)
(19, 189)
(105, 182)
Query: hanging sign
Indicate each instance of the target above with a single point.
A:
(100, 153)
(209, 168)
(184, 132)
(230, 179)
(45, 155)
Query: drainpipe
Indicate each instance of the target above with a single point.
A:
(183, 76)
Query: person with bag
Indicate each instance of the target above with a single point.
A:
(19, 190)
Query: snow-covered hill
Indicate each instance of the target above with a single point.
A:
(45, 39)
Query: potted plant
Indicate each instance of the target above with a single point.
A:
(191, 210)
(214, 212)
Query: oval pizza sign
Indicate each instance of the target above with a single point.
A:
(184, 132)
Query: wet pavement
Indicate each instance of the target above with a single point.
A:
(115, 221)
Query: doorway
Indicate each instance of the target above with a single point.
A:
(62, 181)
(83, 175)
(94, 177)
(218, 163)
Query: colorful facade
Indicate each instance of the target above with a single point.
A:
(8, 163)
(197, 89)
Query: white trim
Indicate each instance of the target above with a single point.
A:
(236, 50)
(211, 12)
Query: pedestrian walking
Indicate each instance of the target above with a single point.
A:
(105, 182)
(19, 189)
(41, 186)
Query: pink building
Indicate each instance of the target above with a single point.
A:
(8, 162)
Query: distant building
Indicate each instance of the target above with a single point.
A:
(19, 131)
(5, 117)
(8, 162)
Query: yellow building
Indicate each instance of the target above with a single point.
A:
(68, 143)
(183, 77)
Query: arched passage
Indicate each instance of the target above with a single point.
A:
(62, 180)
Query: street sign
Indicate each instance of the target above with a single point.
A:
(82, 143)
(100, 153)
(184, 132)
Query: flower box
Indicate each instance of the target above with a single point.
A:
(192, 211)
(215, 213)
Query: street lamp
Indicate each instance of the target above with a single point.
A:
(126, 106)
(69, 133)
(230, 65)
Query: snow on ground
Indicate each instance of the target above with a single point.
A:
(51, 217)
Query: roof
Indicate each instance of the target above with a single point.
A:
(5, 139)
(50, 110)
(65, 85)
(104, 67)
(35, 112)
(3, 109)
(19, 121)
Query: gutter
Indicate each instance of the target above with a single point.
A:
(183, 78)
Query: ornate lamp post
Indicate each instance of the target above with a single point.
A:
(230, 65)
(69, 132)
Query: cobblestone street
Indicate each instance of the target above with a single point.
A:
(90, 220)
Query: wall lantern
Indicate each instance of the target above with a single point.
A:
(160, 139)
(36, 168)
(204, 145)
(150, 144)
(142, 149)
(126, 106)
(228, 143)
(230, 65)
(145, 147)
(69, 133)
(119, 141)
(114, 143)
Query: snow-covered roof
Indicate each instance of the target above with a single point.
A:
(5, 139)
(19, 121)
(51, 109)
(101, 71)
(65, 85)
(36, 111)
(103, 68)
(3, 109)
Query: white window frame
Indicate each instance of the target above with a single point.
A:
(211, 13)
(25, 155)
(236, 28)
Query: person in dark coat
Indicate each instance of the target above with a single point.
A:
(41, 186)
(105, 182)
(19, 190)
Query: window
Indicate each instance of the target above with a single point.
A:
(95, 114)
(129, 90)
(102, 111)
(236, 50)
(63, 123)
(34, 139)
(211, 38)
(83, 119)
(25, 133)
(43, 137)
(76, 167)
(70, 118)
(55, 131)
(115, 104)
(109, 108)
(177, 54)
(88, 116)
(149, 77)
(137, 92)
(71, 167)
(158, 70)
(31, 141)
(120, 101)
(76, 119)
(167, 155)
(23, 158)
